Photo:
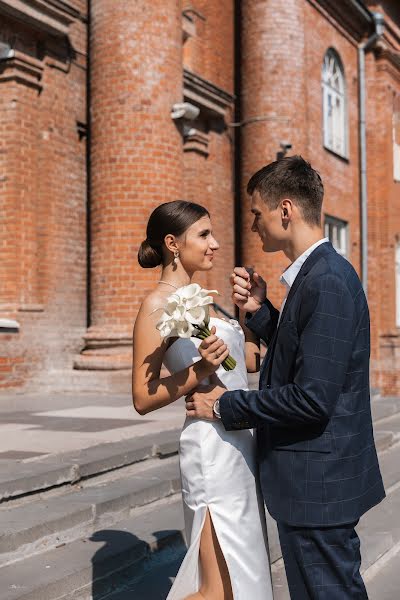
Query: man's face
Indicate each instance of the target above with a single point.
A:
(268, 224)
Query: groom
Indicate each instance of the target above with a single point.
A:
(318, 464)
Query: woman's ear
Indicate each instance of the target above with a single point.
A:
(170, 243)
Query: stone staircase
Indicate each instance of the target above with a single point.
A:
(107, 522)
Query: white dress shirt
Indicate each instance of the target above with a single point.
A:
(289, 275)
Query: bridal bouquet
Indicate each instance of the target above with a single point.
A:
(187, 314)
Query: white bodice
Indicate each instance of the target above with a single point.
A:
(184, 352)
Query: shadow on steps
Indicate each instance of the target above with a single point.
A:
(124, 558)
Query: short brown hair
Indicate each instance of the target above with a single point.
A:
(290, 177)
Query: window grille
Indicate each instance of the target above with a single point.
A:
(334, 104)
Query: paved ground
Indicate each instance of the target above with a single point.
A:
(34, 425)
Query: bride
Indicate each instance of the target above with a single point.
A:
(227, 557)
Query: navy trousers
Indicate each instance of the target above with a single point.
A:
(322, 563)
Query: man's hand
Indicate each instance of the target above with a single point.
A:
(248, 293)
(199, 404)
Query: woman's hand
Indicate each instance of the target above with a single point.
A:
(213, 351)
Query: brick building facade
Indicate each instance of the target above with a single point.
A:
(91, 140)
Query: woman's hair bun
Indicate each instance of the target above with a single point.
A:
(148, 256)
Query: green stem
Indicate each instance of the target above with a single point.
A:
(229, 363)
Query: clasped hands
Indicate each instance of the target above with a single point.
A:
(248, 293)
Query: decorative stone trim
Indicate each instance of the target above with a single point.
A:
(188, 27)
(35, 308)
(105, 350)
(22, 68)
(9, 326)
(8, 308)
(100, 339)
(114, 362)
(206, 95)
(357, 21)
(195, 141)
(48, 16)
(384, 52)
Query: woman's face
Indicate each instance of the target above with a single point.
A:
(198, 246)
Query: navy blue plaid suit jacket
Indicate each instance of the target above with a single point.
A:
(317, 456)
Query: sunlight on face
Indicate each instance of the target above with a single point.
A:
(267, 223)
(199, 246)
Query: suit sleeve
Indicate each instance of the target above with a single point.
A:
(326, 327)
(264, 322)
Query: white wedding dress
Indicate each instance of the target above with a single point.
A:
(219, 472)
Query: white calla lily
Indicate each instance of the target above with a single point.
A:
(185, 329)
(189, 291)
(187, 314)
(196, 315)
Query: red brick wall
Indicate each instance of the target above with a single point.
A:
(340, 176)
(384, 222)
(139, 159)
(209, 180)
(273, 107)
(44, 168)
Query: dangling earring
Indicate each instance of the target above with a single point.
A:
(176, 256)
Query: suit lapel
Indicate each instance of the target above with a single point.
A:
(306, 267)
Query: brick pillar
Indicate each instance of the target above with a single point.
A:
(20, 86)
(208, 56)
(136, 159)
(272, 106)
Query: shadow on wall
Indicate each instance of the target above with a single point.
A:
(117, 564)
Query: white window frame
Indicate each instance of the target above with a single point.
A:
(337, 231)
(334, 105)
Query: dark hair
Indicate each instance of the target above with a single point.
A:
(172, 217)
(290, 177)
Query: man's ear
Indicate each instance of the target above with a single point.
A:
(286, 210)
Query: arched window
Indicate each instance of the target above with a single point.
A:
(334, 104)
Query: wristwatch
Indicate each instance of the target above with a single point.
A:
(216, 409)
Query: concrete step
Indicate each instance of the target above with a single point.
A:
(389, 462)
(152, 540)
(22, 478)
(383, 439)
(18, 479)
(279, 581)
(117, 482)
(140, 557)
(57, 519)
(385, 585)
(108, 560)
(377, 538)
(379, 529)
(42, 524)
(389, 425)
(376, 530)
(383, 408)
